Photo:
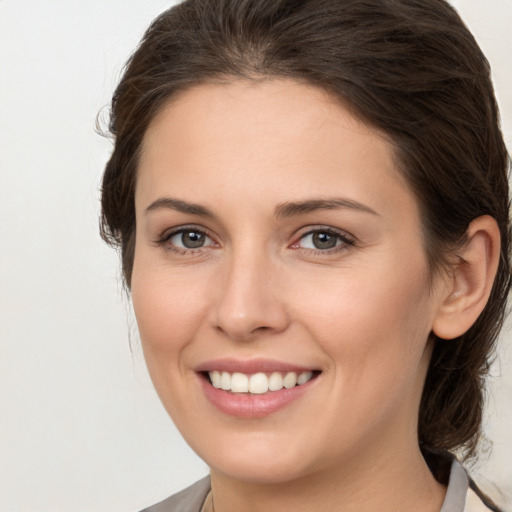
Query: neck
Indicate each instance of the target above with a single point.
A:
(394, 482)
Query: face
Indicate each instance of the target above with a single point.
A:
(280, 281)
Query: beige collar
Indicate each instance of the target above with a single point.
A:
(208, 503)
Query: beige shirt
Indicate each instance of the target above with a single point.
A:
(197, 498)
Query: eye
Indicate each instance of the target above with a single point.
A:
(187, 238)
(323, 240)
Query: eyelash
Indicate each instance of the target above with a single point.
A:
(164, 240)
(343, 240)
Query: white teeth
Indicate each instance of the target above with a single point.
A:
(215, 378)
(257, 383)
(225, 381)
(290, 380)
(239, 383)
(275, 382)
(304, 377)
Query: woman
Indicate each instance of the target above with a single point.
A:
(311, 202)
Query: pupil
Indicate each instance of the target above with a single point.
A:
(324, 240)
(192, 239)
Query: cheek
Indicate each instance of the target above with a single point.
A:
(376, 347)
(169, 309)
(169, 312)
(373, 323)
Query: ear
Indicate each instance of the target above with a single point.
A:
(471, 278)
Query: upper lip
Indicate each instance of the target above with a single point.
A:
(251, 366)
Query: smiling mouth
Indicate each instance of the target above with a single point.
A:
(258, 383)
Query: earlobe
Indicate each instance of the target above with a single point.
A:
(471, 279)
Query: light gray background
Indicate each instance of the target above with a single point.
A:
(81, 428)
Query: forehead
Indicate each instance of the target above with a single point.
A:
(269, 103)
(257, 135)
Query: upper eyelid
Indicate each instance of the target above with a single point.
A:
(163, 239)
(327, 229)
(170, 232)
(299, 234)
(347, 241)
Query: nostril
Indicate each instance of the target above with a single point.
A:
(262, 328)
(242, 332)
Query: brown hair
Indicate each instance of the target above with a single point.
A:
(408, 67)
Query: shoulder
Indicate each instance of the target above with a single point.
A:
(190, 499)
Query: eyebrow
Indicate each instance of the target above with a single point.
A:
(181, 206)
(288, 209)
(291, 209)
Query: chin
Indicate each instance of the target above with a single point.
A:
(257, 460)
(259, 472)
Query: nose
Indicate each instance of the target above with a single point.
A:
(251, 298)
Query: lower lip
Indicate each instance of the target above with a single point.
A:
(246, 405)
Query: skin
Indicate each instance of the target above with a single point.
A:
(361, 313)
